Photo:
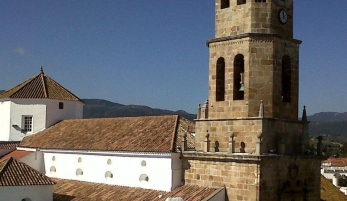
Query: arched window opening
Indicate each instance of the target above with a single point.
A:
(26, 199)
(220, 79)
(286, 79)
(108, 175)
(144, 178)
(240, 2)
(53, 170)
(61, 105)
(143, 163)
(225, 4)
(79, 172)
(239, 70)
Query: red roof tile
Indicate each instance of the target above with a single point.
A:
(16, 173)
(17, 154)
(40, 87)
(131, 134)
(9, 144)
(69, 190)
(336, 162)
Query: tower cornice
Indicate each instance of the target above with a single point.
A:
(251, 35)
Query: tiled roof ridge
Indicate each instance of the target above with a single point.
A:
(101, 151)
(110, 118)
(21, 174)
(38, 87)
(19, 86)
(64, 88)
(43, 81)
(4, 168)
(175, 133)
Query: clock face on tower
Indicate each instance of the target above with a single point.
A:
(282, 16)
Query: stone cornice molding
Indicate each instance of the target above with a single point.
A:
(250, 37)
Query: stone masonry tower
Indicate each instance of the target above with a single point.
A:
(248, 136)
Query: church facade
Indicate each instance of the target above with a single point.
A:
(248, 136)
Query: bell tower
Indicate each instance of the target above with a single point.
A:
(253, 74)
(253, 58)
(249, 123)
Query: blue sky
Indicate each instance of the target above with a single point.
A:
(153, 52)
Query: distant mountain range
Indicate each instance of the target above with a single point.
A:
(332, 125)
(328, 117)
(97, 108)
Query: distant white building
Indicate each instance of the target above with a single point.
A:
(35, 105)
(333, 169)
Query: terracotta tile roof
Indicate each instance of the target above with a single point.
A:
(329, 192)
(130, 134)
(9, 144)
(40, 87)
(336, 162)
(17, 154)
(69, 190)
(16, 173)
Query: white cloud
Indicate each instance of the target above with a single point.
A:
(21, 51)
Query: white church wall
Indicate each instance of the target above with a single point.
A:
(36, 109)
(132, 170)
(176, 171)
(71, 110)
(45, 113)
(34, 160)
(28, 193)
(5, 120)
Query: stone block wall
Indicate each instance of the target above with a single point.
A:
(252, 178)
(245, 131)
(288, 178)
(253, 17)
(239, 176)
(293, 134)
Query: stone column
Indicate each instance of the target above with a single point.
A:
(231, 144)
(198, 115)
(258, 144)
(184, 142)
(207, 143)
(204, 111)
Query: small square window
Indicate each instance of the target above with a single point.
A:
(61, 105)
(225, 4)
(27, 124)
(240, 2)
